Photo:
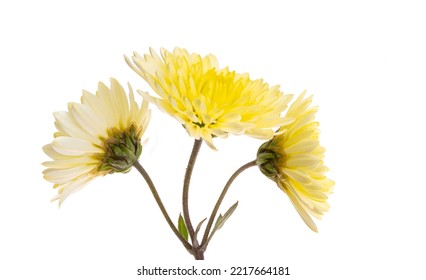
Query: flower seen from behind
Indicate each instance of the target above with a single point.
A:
(294, 160)
(208, 101)
(99, 136)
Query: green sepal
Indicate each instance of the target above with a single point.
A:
(138, 151)
(127, 150)
(118, 152)
(129, 144)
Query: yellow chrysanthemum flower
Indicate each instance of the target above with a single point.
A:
(207, 101)
(294, 160)
(97, 137)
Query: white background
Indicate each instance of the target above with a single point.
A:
(364, 61)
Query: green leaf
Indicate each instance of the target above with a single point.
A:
(220, 222)
(199, 227)
(222, 219)
(182, 227)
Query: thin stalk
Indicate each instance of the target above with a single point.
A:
(185, 191)
(204, 242)
(148, 180)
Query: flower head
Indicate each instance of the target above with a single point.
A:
(97, 137)
(294, 160)
(207, 101)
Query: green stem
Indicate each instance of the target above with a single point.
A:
(204, 242)
(148, 180)
(185, 191)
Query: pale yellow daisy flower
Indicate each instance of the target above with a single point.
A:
(294, 160)
(97, 137)
(207, 101)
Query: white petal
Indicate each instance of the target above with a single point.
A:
(74, 146)
(297, 175)
(208, 139)
(72, 188)
(69, 162)
(88, 120)
(48, 149)
(299, 105)
(263, 134)
(62, 176)
(110, 110)
(233, 127)
(97, 104)
(304, 146)
(302, 160)
(287, 188)
(121, 102)
(66, 123)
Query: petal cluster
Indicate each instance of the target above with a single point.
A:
(86, 134)
(294, 160)
(208, 101)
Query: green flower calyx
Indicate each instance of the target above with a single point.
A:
(122, 150)
(267, 158)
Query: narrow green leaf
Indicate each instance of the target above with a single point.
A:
(182, 227)
(199, 227)
(222, 219)
(226, 216)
